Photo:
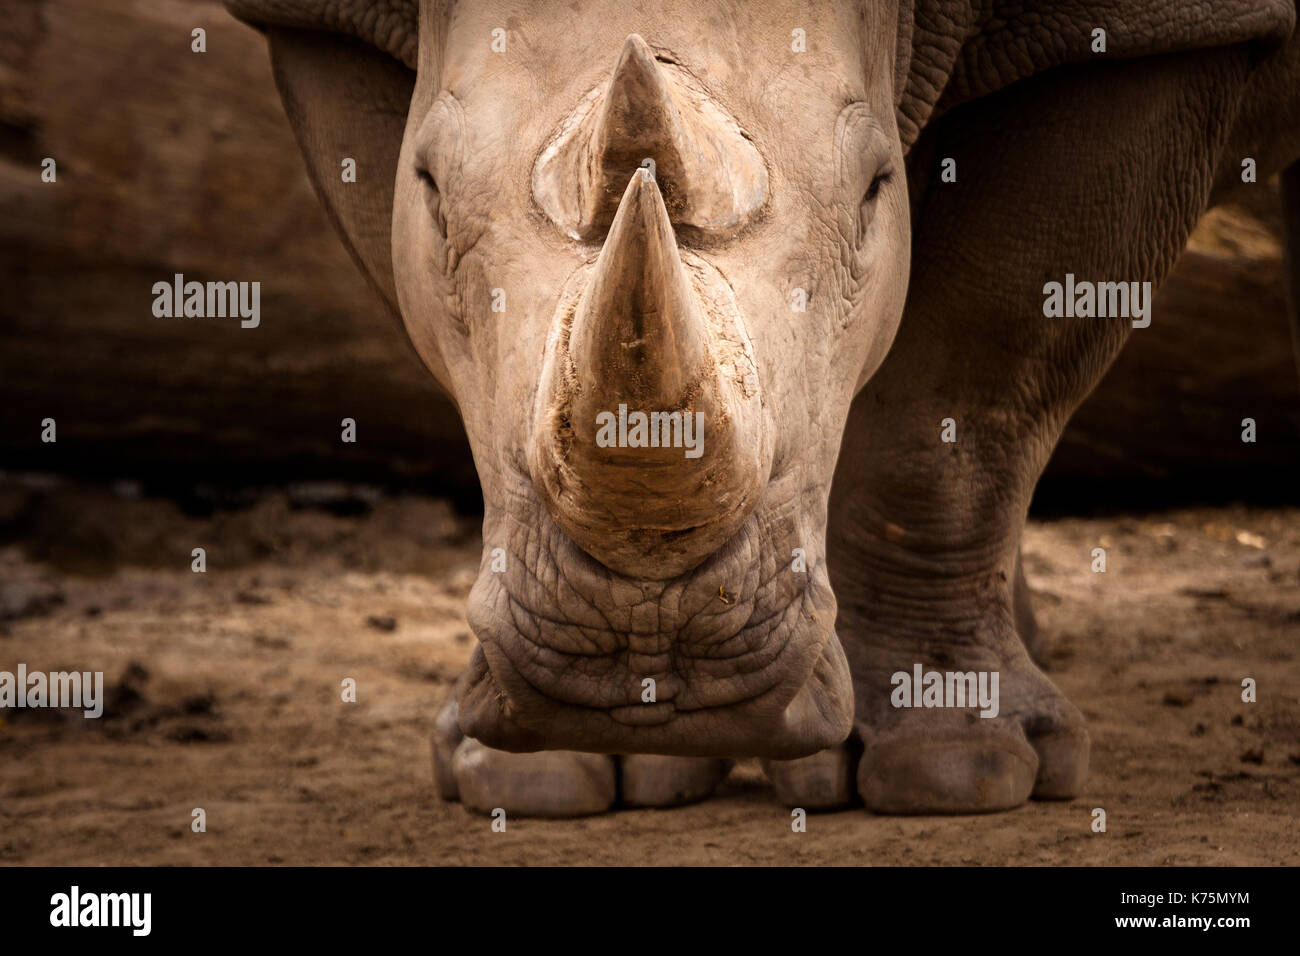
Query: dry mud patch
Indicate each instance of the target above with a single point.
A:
(223, 692)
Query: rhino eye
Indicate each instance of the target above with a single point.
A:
(432, 200)
(867, 211)
(874, 189)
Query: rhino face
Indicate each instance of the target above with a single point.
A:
(602, 240)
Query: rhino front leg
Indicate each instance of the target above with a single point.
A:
(561, 783)
(1022, 597)
(1099, 172)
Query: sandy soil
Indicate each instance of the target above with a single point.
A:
(224, 694)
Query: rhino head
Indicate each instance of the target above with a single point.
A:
(666, 225)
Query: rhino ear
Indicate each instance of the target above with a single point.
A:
(346, 72)
(347, 103)
(959, 50)
(390, 26)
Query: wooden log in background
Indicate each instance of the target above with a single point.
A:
(171, 162)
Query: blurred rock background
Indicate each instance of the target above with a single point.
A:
(170, 161)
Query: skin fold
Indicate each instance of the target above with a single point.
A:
(543, 277)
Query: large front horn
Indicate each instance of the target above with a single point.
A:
(712, 176)
(649, 447)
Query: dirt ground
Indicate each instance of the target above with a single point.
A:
(224, 693)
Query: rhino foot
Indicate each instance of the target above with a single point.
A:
(654, 780)
(561, 783)
(915, 750)
(823, 781)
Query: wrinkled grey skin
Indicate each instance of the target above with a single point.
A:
(924, 303)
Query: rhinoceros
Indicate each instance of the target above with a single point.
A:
(746, 309)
